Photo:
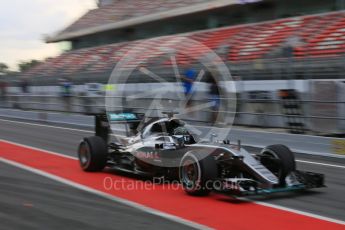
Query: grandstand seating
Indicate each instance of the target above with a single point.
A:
(330, 41)
(319, 35)
(122, 10)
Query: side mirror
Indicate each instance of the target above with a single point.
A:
(213, 135)
(180, 142)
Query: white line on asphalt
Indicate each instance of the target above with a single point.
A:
(265, 132)
(39, 149)
(88, 131)
(107, 196)
(49, 126)
(295, 211)
(319, 163)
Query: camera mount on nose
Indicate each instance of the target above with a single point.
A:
(170, 114)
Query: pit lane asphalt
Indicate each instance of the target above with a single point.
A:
(327, 202)
(29, 201)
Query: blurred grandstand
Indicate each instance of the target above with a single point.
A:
(248, 36)
(266, 40)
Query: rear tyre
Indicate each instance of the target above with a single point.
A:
(283, 158)
(93, 153)
(197, 173)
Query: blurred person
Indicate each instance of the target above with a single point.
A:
(213, 94)
(188, 82)
(291, 44)
(223, 50)
(66, 93)
(3, 90)
(86, 101)
(24, 85)
(21, 100)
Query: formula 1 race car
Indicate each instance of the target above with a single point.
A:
(164, 147)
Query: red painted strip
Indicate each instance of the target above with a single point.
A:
(215, 211)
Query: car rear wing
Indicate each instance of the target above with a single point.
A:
(103, 122)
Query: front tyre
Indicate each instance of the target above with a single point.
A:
(197, 173)
(92, 154)
(283, 161)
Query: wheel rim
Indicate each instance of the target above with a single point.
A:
(84, 154)
(189, 174)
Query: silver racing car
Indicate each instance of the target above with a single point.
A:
(165, 147)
